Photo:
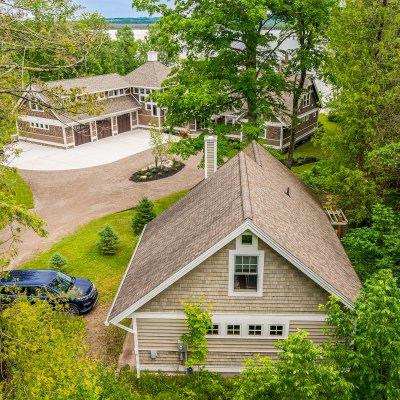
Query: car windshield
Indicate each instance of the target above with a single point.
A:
(61, 283)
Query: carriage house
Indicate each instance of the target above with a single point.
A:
(123, 105)
(252, 241)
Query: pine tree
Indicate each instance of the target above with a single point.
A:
(108, 241)
(58, 261)
(144, 213)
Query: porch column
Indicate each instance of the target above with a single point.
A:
(114, 126)
(93, 131)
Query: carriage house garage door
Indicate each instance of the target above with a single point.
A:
(104, 128)
(124, 123)
(81, 134)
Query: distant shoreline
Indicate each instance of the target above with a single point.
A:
(137, 23)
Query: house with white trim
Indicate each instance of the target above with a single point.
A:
(252, 241)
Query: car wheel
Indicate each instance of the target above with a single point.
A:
(73, 310)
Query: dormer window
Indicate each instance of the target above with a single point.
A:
(307, 99)
(33, 105)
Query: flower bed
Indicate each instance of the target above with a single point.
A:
(152, 173)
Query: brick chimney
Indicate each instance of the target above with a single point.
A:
(210, 155)
(152, 56)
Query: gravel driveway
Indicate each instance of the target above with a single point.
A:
(69, 199)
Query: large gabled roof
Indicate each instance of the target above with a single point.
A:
(149, 75)
(251, 188)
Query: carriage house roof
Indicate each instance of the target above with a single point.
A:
(91, 84)
(249, 190)
(150, 75)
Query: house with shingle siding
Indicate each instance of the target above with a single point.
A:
(123, 105)
(253, 242)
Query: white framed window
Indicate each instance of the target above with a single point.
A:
(148, 91)
(148, 106)
(33, 105)
(276, 330)
(142, 91)
(142, 98)
(246, 267)
(135, 90)
(214, 330)
(233, 329)
(307, 99)
(121, 92)
(127, 90)
(254, 330)
(39, 125)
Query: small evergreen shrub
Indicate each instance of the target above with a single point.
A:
(144, 213)
(108, 241)
(58, 262)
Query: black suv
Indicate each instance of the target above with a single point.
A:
(79, 295)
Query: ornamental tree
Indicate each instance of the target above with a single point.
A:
(58, 261)
(144, 213)
(108, 241)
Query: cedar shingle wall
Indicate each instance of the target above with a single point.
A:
(286, 289)
(54, 134)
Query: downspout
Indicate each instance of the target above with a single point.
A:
(281, 139)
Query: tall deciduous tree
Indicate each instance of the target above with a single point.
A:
(307, 20)
(230, 61)
(363, 65)
(40, 39)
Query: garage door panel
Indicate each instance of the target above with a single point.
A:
(124, 123)
(82, 134)
(104, 128)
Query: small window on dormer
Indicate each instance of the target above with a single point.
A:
(247, 239)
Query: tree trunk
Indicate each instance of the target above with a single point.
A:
(297, 95)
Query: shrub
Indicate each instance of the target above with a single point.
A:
(58, 261)
(108, 241)
(144, 213)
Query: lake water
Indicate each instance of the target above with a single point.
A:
(288, 44)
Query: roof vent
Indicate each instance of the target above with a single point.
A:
(338, 221)
(152, 56)
(210, 155)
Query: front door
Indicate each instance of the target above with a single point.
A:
(104, 128)
(124, 123)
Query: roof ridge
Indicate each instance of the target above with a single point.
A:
(256, 151)
(245, 189)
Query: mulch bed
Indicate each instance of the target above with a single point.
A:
(152, 173)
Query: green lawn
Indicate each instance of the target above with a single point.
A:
(17, 184)
(83, 257)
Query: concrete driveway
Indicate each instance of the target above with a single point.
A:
(36, 157)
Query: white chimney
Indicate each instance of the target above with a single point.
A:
(152, 56)
(210, 155)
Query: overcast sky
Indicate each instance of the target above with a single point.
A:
(111, 8)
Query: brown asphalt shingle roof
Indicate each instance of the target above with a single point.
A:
(150, 74)
(91, 84)
(251, 185)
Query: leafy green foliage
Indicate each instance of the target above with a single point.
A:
(198, 322)
(377, 246)
(366, 339)
(348, 189)
(58, 261)
(109, 241)
(302, 372)
(43, 354)
(144, 213)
